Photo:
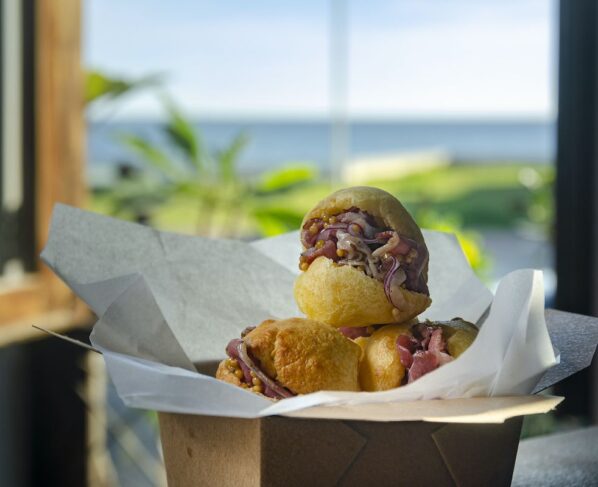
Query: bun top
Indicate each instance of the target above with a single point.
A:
(305, 355)
(384, 207)
(262, 339)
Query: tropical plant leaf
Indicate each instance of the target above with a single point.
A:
(228, 158)
(151, 156)
(270, 227)
(98, 85)
(181, 133)
(129, 198)
(286, 177)
(275, 220)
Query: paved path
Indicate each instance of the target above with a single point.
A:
(569, 459)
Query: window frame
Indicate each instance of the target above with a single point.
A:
(53, 150)
(576, 190)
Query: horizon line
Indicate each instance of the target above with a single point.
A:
(316, 117)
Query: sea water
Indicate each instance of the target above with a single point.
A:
(275, 142)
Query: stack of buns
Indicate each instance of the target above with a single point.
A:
(362, 286)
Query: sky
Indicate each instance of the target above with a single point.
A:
(266, 58)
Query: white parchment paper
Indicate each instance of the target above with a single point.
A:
(166, 302)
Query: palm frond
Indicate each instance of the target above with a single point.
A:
(286, 178)
(228, 158)
(184, 137)
(101, 86)
(151, 155)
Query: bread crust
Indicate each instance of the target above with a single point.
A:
(303, 355)
(380, 368)
(341, 295)
(459, 335)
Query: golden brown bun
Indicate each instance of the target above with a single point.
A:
(459, 335)
(381, 369)
(341, 295)
(303, 355)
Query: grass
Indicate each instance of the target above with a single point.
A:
(478, 196)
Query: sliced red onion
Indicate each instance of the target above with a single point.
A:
(246, 372)
(339, 225)
(394, 278)
(330, 231)
(232, 350)
(390, 274)
(359, 218)
(373, 241)
(396, 293)
(352, 245)
(270, 385)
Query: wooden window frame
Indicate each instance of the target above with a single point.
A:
(59, 151)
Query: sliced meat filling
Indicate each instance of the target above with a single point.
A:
(353, 238)
(423, 352)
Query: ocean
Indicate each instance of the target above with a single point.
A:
(276, 142)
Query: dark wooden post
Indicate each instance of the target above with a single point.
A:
(577, 183)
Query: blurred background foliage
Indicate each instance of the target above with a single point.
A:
(178, 184)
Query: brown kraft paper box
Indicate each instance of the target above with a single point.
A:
(273, 451)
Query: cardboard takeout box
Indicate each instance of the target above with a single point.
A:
(279, 451)
(283, 451)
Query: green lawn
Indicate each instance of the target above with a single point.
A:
(473, 195)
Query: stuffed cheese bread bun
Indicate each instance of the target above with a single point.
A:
(364, 261)
(394, 355)
(283, 358)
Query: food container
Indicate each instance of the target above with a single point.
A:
(278, 451)
(168, 304)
